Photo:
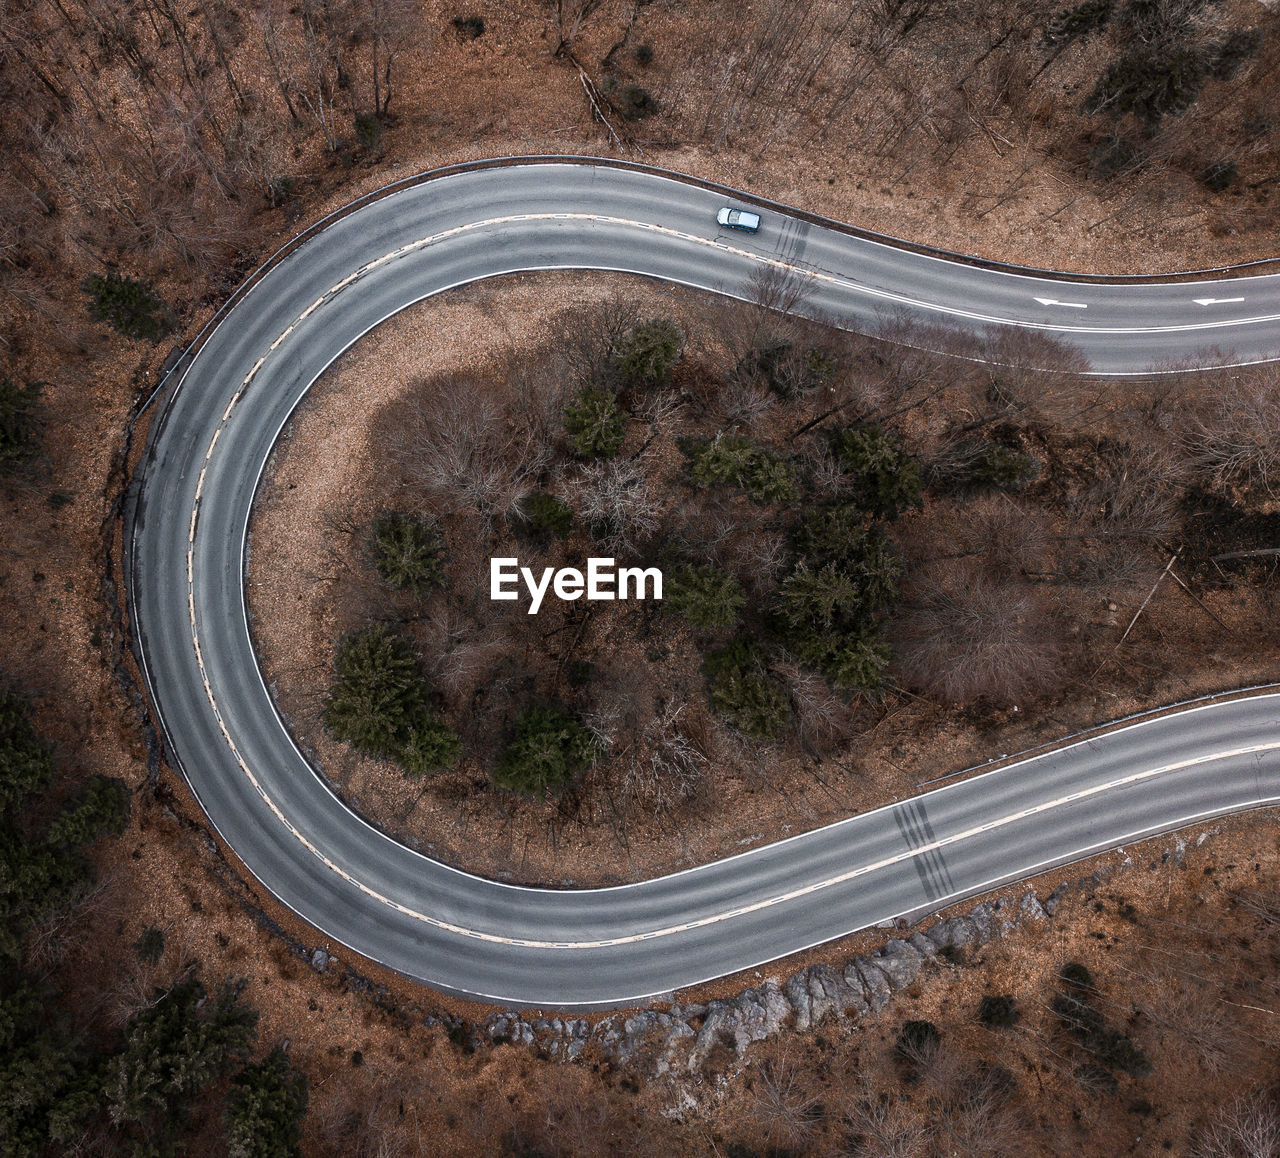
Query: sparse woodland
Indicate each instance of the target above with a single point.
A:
(155, 153)
(845, 523)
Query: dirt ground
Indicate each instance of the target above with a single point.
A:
(460, 100)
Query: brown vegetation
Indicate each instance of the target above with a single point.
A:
(181, 144)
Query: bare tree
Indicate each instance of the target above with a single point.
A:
(664, 766)
(459, 446)
(886, 1124)
(785, 1103)
(1247, 1128)
(1237, 443)
(1136, 493)
(968, 635)
(616, 502)
(824, 721)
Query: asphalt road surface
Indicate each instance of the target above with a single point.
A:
(591, 948)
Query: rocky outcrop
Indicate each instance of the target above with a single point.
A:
(684, 1037)
(687, 1037)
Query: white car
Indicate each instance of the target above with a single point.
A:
(739, 219)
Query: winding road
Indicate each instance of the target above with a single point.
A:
(187, 553)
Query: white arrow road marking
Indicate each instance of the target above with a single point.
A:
(1214, 301)
(764, 903)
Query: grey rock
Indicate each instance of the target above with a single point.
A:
(636, 1031)
(1006, 912)
(673, 1046)
(796, 990)
(922, 945)
(1055, 898)
(1030, 908)
(874, 983)
(828, 993)
(319, 960)
(758, 1016)
(954, 931)
(984, 920)
(608, 1035)
(900, 963)
(717, 1025)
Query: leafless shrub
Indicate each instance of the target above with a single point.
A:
(823, 720)
(784, 1103)
(48, 943)
(459, 650)
(537, 396)
(457, 444)
(664, 767)
(615, 501)
(1238, 442)
(969, 635)
(884, 1123)
(738, 401)
(1181, 1005)
(825, 475)
(659, 411)
(366, 1116)
(1247, 1128)
(1010, 537)
(604, 723)
(1136, 493)
(978, 1116)
(142, 984)
(756, 557)
(587, 340)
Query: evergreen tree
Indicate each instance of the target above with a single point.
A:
(25, 763)
(731, 459)
(129, 307)
(17, 420)
(543, 517)
(175, 1047)
(430, 747)
(408, 552)
(596, 425)
(647, 354)
(378, 695)
(101, 809)
(265, 1108)
(705, 595)
(548, 750)
(741, 690)
(884, 478)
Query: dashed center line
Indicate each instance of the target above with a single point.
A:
(665, 931)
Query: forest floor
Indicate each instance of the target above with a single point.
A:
(505, 93)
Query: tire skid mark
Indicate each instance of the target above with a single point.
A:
(921, 841)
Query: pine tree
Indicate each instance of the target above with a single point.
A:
(548, 750)
(408, 552)
(175, 1047)
(265, 1109)
(101, 809)
(705, 595)
(379, 693)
